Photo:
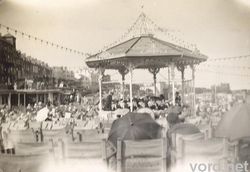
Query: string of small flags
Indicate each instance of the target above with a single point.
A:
(42, 41)
(230, 58)
(144, 25)
(224, 66)
(171, 36)
(223, 73)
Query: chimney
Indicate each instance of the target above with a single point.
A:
(10, 39)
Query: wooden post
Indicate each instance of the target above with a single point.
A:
(104, 151)
(174, 155)
(51, 97)
(24, 99)
(119, 155)
(225, 152)
(236, 151)
(164, 155)
(210, 130)
(173, 139)
(1, 99)
(59, 99)
(9, 100)
(52, 148)
(37, 98)
(61, 149)
(39, 133)
(182, 153)
(45, 98)
(18, 99)
(225, 147)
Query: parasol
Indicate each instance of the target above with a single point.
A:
(134, 126)
(235, 124)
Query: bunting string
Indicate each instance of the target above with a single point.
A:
(224, 66)
(230, 58)
(145, 26)
(42, 41)
(142, 25)
(223, 73)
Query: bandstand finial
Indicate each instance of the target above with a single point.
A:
(142, 6)
(142, 9)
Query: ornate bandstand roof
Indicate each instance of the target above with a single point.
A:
(144, 51)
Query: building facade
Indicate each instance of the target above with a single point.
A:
(18, 71)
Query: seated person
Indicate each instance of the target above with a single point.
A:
(108, 104)
(204, 120)
(177, 126)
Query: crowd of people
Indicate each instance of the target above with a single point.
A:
(152, 102)
(160, 109)
(88, 110)
(205, 112)
(46, 112)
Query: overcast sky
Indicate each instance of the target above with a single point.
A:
(219, 28)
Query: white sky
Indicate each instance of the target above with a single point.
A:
(219, 28)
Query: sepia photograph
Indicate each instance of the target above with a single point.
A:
(124, 85)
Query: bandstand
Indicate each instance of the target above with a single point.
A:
(146, 52)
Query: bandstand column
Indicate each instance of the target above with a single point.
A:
(123, 86)
(182, 69)
(154, 71)
(168, 77)
(169, 82)
(101, 73)
(155, 84)
(173, 80)
(130, 87)
(193, 87)
(123, 72)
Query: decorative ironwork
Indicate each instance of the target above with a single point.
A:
(154, 71)
(123, 71)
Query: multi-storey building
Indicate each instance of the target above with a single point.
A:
(62, 77)
(25, 80)
(17, 68)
